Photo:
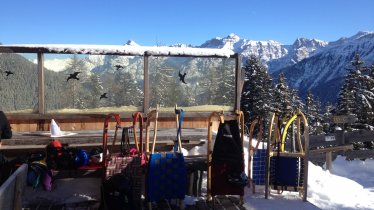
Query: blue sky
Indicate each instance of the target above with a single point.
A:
(167, 22)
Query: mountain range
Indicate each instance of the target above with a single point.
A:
(308, 64)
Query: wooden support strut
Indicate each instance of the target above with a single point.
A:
(221, 118)
(251, 149)
(151, 116)
(105, 138)
(273, 129)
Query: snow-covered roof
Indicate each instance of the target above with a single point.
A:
(116, 49)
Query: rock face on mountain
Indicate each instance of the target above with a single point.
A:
(272, 53)
(324, 71)
(308, 64)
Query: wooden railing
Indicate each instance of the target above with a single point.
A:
(342, 142)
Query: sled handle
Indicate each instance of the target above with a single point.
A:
(105, 136)
(299, 116)
(152, 115)
(138, 117)
(179, 114)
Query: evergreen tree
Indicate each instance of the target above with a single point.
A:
(124, 91)
(296, 102)
(96, 89)
(312, 112)
(74, 88)
(257, 90)
(208, 83)
(356, 96)
(358, 85)
(282, 99)
(226, 88)
(327, 118)
(161, 79)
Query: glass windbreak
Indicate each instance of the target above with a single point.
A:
(195, 84)
(18, 83)
(93, 83)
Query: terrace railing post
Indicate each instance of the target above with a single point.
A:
(41, 104)
(238, 80)
(146, 83)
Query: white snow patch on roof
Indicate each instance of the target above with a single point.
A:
(127, 49)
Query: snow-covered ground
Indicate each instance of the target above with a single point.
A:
(349, 186)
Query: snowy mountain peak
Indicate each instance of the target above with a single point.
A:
(358, 36)
(131, 43)
(233, 37)
(312, 43)
(322, 70)
(361, 34)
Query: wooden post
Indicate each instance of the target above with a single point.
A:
(146, 83)
(343, 140)
(238, 81)
(306, 159)
(329, 161)
(41, 107)
(209, 161)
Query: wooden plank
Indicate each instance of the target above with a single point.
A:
(320, 140)
(191, 207)
(286, 154)
(359, 154)
(236, 202)
(78, 124)
(341, 119)
(226, 203)
(202, 205)
(359, 136)
(332, 149)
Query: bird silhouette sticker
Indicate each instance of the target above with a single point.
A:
(73, 76)
(118, 67)
(103, 96)
(182, 76)
(8, 73)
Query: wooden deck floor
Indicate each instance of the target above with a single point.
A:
(221, 203)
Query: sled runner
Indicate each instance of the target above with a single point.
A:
(256, 156)
(226, 174)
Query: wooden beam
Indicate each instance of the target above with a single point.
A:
(238, 81)
(41, 103)
(287, 154)
(146, 84)
(101, 50)
(332, 149)
(329, 161)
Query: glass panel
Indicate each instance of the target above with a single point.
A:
(208, 83)
(18, 83)
(93, 83)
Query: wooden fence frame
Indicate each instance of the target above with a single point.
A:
(343, 142)
(40, 120)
